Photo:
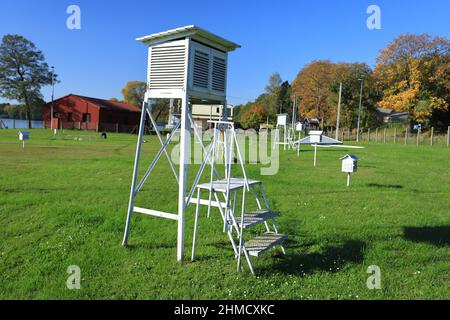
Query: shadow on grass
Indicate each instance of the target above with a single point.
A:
(438, 236)
(332, 259)
(385, 186)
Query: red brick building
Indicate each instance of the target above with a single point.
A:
(85, 113)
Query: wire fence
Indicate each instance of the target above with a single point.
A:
(395, 135)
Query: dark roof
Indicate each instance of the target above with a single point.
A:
(110, 105)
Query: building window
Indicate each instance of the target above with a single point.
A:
(86, 117)
(69, 117)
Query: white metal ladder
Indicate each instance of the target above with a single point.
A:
(227, 189)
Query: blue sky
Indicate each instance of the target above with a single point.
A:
(275, 36)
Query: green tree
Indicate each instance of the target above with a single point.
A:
(23, 72)
(351, 75)
(274, 82)
(133, 93)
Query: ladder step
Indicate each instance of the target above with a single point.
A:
(221, 185)
(264, 242)
(254, 217)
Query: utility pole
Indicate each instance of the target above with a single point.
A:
(338, 111)
(359, 109)
(53, 92)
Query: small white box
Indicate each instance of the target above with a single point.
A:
(282, 119)
(349, 163)
(315, 136)
(24, 136)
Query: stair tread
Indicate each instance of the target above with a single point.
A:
(264, 242)
(221, 185)
(254, 217)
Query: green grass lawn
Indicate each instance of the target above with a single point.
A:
(63, 202)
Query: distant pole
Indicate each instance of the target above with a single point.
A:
(53, 92)
(384, 139)
(376, 135)
(315, 155)
(406, 135)
(338, 112)
(418, 136)
(431, 136)
(448, 136)
(359, 109)
(395, 135)
(368, 135)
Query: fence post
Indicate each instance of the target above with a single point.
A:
(384, 139)
(117, 128)
(14, 123)
(406, 134)
(376, 135)
(395, 135)
(448, 137)
(418, 136)
(368, 135)
(79, 125)
(431, 136)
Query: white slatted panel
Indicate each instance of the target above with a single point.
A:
(167, 66)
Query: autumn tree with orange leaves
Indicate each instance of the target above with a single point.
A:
(413, 75)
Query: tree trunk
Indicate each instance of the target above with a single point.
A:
(28, 109)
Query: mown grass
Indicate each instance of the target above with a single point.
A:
(63, 202)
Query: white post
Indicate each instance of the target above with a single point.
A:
(418, 136)
(315, 155)
(448, 136)
(338, 111)
(432, 136)
(348, 180)
(135, 172)
(185, 143)
(195, 225)
(53, 89)
(406, 134)
(359, 111)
